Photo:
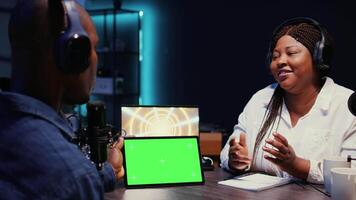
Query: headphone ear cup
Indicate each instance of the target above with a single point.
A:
(76, 55)
(318, 58)
(72, 48)
(72, 53)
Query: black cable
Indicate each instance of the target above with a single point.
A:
(72, 116)
(320, 190)
(302, 184)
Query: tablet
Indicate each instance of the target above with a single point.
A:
(162, 161)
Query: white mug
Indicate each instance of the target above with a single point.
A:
(328, 164)
(343, 183)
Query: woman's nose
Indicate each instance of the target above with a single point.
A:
(282, 60)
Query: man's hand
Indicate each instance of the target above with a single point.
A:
(115, 158)
(238, 154)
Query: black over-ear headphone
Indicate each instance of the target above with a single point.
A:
(72, 47)
(318, 55)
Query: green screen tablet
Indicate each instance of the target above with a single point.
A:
(162, 161)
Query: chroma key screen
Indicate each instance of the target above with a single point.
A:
(154, 161)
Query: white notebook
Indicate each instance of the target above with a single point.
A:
(256, 182)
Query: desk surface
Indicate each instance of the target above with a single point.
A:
(211, 190)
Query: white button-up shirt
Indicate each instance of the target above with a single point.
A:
(327, 129)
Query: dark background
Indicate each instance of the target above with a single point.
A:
(212, 53)
(217, 50)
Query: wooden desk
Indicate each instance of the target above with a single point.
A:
(211, 190)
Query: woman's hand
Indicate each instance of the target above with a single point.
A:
(115, 158)
(284, 157)
(238, 154)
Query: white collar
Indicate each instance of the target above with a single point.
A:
(324, 97)
(323, 100)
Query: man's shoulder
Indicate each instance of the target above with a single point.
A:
(50, 184)
(36, 151)
(23, 125)
(38, 143)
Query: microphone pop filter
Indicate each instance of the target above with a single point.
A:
(352, 103)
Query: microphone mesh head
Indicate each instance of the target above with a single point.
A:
(352, 103)
(96, 114)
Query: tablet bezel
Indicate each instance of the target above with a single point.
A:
(163, 184)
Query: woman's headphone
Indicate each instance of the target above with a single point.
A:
(320, 59)
(72, 48)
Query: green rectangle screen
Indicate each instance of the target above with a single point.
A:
(162, 161)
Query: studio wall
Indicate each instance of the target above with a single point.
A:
(212, 53)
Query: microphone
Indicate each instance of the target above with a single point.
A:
(352, 103)
(98, 133)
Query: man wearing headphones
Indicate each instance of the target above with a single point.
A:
(53, 63)
(287, 128)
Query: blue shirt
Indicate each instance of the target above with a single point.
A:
(38, 159)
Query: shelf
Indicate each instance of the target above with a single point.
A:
(107, 50)
(119, 58)
(120, 95)
(106, 86)
(111, 10)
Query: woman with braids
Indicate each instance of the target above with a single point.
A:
(287, 128)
